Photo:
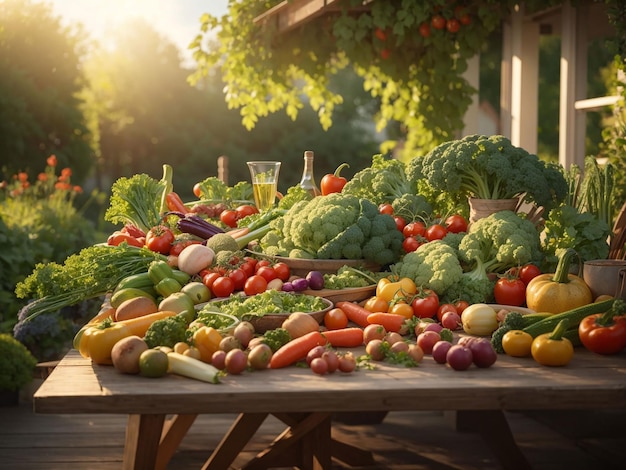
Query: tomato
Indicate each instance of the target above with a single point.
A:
(209, 278)
(380, 34)
(453, 25)
(178, 245)
(517, 343)
(510, 291)
(424, 30)
(282, 271)
(443, 308)
(255, 284)
(400, 308)
(438, 22)
(247, 268)
(239, 278)
(246, 210)
(229, 217)
(425, 304)
(118, 237)
(435, 232)
(197, 190)
(335, 319)
(267, 272)
(414, 229)
(528, 272)
(261, 263)
(386, 208)
(385, 53)
(410, 244)
(461, 305)
(376, 304)
(465, 19)
(223, 286)
(456, 223)
(159, 239)
(400, 222)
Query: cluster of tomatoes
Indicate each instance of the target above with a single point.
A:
(449, 22)
(230, 217)
(417, 232)
(247, 274)
(510, 288)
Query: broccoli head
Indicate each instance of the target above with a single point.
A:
(433, 265)
(412, 207)
(501, 241)
(474, 287)
(167, 332)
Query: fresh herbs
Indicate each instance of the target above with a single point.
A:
(92, 272)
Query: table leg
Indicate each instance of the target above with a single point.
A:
(143, 433)
(174, 431)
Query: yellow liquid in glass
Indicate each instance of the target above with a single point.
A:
(264, 195)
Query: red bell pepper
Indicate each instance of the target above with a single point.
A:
(605, 333)
(332, 182)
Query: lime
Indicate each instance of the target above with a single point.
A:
(153, 363)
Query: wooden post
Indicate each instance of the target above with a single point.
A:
(222, 169)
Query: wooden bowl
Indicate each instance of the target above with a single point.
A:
(352, 294)
(272, 321)
(301, 267)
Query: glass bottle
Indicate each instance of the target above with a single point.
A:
(308, 179)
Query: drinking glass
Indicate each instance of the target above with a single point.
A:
(264, 177)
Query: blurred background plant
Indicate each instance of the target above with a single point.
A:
(39, 223)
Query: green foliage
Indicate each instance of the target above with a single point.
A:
(417, 78)
(276, 338)
(16, 364)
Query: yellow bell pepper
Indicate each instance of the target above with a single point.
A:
(552, 349)
(96, 342)
(207, 340)
(403, 288)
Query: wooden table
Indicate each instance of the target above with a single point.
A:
(162, 410)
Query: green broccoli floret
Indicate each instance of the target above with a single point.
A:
(294, 194)
(433, 265)
(276, 338)
(501, 241)
(514, 320)
(496, 337)
(474, 286)
(383, 181)
(489, 167)
(454, 240)
(166, 332)
(412, 207)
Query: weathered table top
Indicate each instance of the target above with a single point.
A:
(589, 381)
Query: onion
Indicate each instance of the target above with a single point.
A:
(315, 280)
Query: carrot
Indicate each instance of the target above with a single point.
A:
(390, 321)
(138, 326)
(175, 203)
(238, 232)
(296, 349)
(103, 314)
(354, 312)
(349, 337)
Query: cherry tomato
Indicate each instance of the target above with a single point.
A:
(385, 53)
(267, 272)
(465, 19)
(424, 30)
(159, 239)
(246, 210)
(223, 286)
(438, 22)
(410, 244)
(261, 263)
(282, 271)
(400, 308)
(229, 217)
(528, 272)
(197, 190)
(255, 284)
(247, 268)
(425, 304)
(376, 304)
(456, 223)
(239, 278)
(461, 305)
(414, 229)
(443, 308)
(380, 34)
(510, 291)
(453, 25)
(209, 278)
(400, 222)
(435, 232)
(335, 319)
(386, 208)
(178, 245)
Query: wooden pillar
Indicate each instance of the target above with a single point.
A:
(520, 81)
(471, 120)
(573, 87)
(222, 168)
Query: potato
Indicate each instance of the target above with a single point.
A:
(135, 307)
(126, 352)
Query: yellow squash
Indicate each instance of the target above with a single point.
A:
(560, 291)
